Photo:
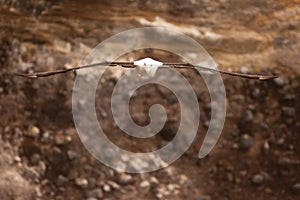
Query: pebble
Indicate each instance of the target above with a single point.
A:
(17, 159)
(235, 146)
(41, 168)
(280, 141)
(237, 180)
(289, 96)
(266, 147)
(238, 98)
(289, 111)
(169, 171)
(114, 185)
(251, 107)
(266, 176)
(18, 132)
(268, 191)
(30, 173)
(284, 161)
(154, 180)
(61, 180)
(38, 192)
(296, 187)
(166, 192)
(70, 131)
(47, 137)
(145, 184)
(106, 188)
(256, 93)
(103, 114)
(88, 167)
(68, 139)
(33, 132)
(248, 116)
(125, 179)
(59, 139)
(81, 182)
(6, 129)
(35, 158)
(71, 154)
(206, 123)
(95, 193)
(280, 81)
(264, 126)
(246, 142)
(244, 69)
(172, 187)
(258, 179)
(183, 179)
(56, 152)
(62, 189)
(159, 195)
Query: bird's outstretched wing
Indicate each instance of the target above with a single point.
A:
(131, 65)
(242, 75)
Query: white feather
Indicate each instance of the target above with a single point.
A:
(147, 66)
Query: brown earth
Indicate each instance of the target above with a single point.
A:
(257, 155)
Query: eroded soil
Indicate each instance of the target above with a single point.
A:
(257, 155)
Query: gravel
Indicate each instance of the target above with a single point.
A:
(33, 132)
(289, 111)
(284, 161)
(96, 193)
(81, 182)
(46, 137)
(296, 187)
(125, 179)
(35, 158)
(280, 81)
(266, 147)
(258, 179)
(246, 142)
(61, 180)
(71, 154)
(248, 116)
(106, 188)
(145, 184)
(46, 104)
(59, 139)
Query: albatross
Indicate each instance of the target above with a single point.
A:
(146, 67)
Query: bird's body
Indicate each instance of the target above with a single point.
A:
(147, 67)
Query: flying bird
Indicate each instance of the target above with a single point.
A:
(147, 67)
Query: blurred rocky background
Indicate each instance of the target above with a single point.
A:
(257, 155)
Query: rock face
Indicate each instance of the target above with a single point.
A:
(14, 186)
(41, 156)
